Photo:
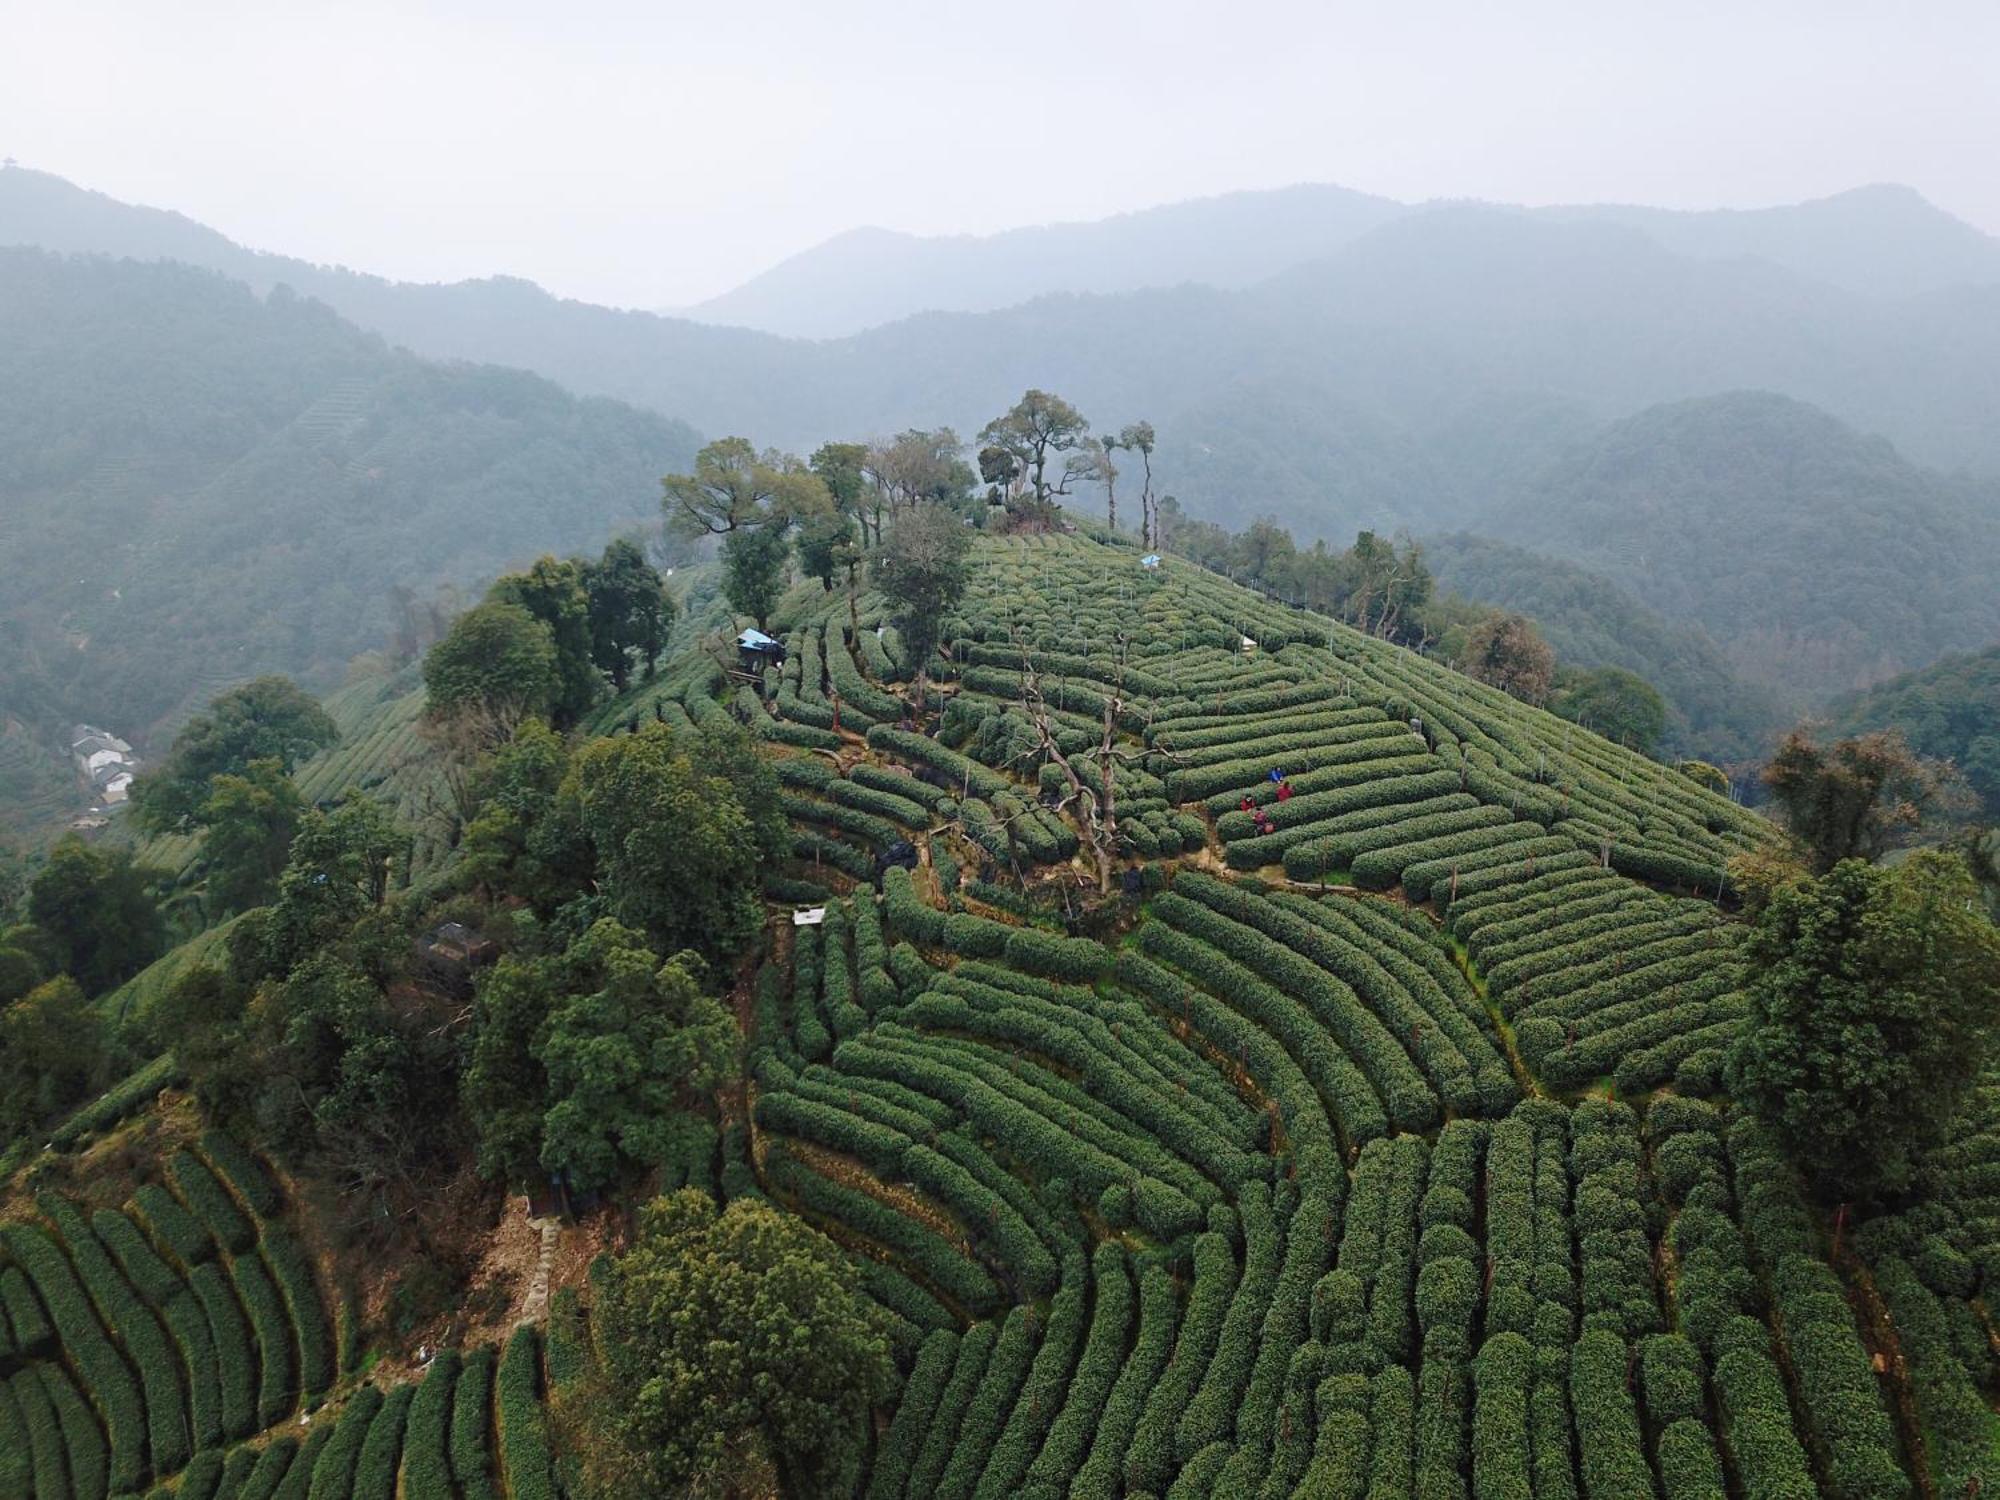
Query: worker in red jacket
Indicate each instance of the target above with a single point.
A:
(1284, 791)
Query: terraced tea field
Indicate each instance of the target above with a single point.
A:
(1365, 1137)
(184, 1342)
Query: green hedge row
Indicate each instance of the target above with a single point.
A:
(248, 1177)
(1149, 1458)
(427, 1435)
(272, 1331)
(975, 1352)
(471, 1426)
(1609, 1451)
(339, 1461)
(1200, 783)
(959, 1278)
(84, 1344)
(300, 1473)
(132, 1322)
(293, 1273)
(972, 778)
(524, 1437)
(1211, 1412)
(172, 1225)
(1390, 1074)
(1062, 1453)
(914, 1412)
(211, 1203)
(235, 1361)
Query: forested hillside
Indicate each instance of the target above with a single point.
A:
(1950, 710)
(1819, 560)
(204, 484)
(1592, 622)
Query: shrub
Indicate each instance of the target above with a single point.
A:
(1607, 1425)
(471, 1460)
(211, 1203)
(243, 1172)
(524, 1438)
(287, 1261)
(236, 1364)
(427, 1436)
(84, 1344)
(275, 1382)
(333, 1475)
(172, 1225)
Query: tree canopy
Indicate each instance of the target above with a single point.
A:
(270, 718)
(735, 1344)
(1874, 1001)
(1855, 798)
(582, 1060)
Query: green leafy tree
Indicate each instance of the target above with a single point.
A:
(250, 820)
(740, 1358)
(629, 609)
(675, 852)
(825, 541)
(514, 843)
(267, 719)
(1618, 704)
(95, 910)
(1856, 798)
(1873, 1002)
(582, 1063)
(735, 488)
(753, 570)
(53, 1054)
(341, 867)
(554, 592)
(495, 667)
(1037, 427)
(922, 570)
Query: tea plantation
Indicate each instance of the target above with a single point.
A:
(184, 1345)
(1366, 1137)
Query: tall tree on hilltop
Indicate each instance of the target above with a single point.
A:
(753, 570)
(785, 1413)
(554, 592)
(733, 486)
(1034, 428)
(1873, 1007)
(1093, 463)
(1137, 437)
(495, 667)
(1855, 798)
(922, 570)
(629, 609)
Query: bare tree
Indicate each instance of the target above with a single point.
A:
(1093, 789)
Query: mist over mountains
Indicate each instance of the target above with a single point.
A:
(1760, 442)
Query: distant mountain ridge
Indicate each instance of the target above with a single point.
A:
(1413, 374)
(1883, 240)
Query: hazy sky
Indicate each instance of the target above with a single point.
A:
(655, 154)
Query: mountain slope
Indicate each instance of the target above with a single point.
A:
(1592, 622)
(204, 485)
(1950, 709)
(1819, 559)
